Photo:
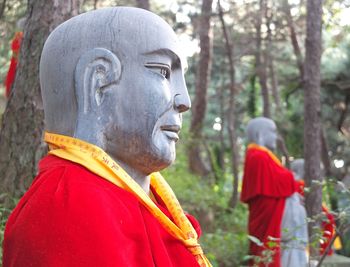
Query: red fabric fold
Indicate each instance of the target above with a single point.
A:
(72, 217)
(11, 74)
(266, 185)
(328, 228)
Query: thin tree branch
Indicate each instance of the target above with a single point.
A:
(2, 8)
(343, 114)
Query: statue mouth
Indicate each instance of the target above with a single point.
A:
(171, 131)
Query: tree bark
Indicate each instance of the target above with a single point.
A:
(271, 67)
(21, 143)
(2, 8)
(281, 144)
(196, 163)
(312, 110)
(328, 171)
(260, 62)
(274, 85)
(221, 158)
(143, 4)
(232, 111)
(294, 39)
(343, 114)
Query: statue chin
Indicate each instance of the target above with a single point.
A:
(164, 148)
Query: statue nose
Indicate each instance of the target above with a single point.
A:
(182, 102)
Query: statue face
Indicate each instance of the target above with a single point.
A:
(144, 109)
(270, 135)
(262, 131)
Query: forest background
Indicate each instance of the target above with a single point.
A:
(247, 58)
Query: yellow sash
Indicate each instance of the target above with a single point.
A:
(268, 151)
(98, 162)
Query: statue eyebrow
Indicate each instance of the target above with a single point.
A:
(176, 62)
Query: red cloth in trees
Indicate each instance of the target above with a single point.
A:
(266, 185)
(11, 74)
(72, 217)
(328, 228)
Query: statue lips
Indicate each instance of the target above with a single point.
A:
(171, 131)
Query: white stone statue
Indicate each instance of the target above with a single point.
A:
(294, 225)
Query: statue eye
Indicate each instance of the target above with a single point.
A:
(162, 69)
(165, 72)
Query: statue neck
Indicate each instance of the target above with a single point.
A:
(142, 179)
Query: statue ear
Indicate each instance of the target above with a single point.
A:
(260, 140)
(96, 70)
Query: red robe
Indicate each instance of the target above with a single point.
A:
(72, 217)
(266, 185)
(11, 74)
(328, 227)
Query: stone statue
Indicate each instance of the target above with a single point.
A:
(266, 185)
(294, 224)
(113, 90)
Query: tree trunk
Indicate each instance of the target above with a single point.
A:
(281, 144)
(271, 67)
(232, 111)
(21, 143)
(274, 85)
(312, 110)
(196, 163)
(294, 39)
(260, 62)
(251, 103)
(328, 172)
(221, 158)
(2, 8)
(343, 114)
(143, 4)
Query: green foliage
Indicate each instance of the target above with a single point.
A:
(224, 235)
(225, 230)
(3, 218)
(225, 248)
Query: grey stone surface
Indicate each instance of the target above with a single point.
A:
(262, 131)
(294, 225)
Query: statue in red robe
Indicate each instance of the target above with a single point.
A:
(266, 185)
(113, 90)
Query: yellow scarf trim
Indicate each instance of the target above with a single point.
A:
(268, 151)
(97, 161)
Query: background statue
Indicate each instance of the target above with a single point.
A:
(113, 90)
(266, 185)
(294, 224)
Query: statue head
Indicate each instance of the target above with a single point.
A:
(297, 167)
(262, 131)
(114, 77)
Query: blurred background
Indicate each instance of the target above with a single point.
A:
(246, 58)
